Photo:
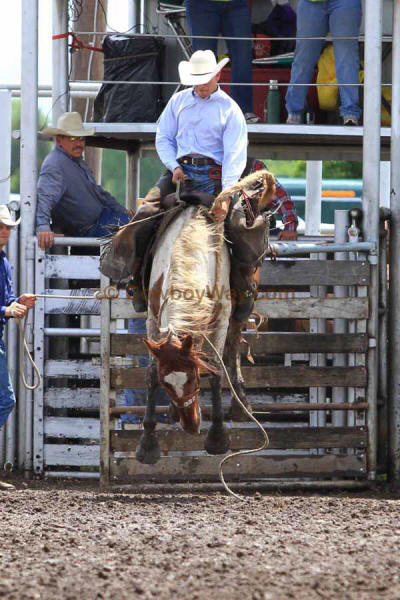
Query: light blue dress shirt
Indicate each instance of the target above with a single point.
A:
(214, 127)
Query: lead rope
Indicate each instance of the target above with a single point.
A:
(248, 413)
(110, 292)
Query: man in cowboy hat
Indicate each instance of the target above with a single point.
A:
(68, 194)
(10, 306)
(202, 140)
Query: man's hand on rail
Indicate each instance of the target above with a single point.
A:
(287, 235)
(16, 310)
(45, 239)
(27, 300)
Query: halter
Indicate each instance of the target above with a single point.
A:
(189, 399)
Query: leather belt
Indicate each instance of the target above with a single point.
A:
(199, 161)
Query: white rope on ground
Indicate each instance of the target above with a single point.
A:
(249, 414)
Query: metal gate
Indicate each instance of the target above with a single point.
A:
(308, 387)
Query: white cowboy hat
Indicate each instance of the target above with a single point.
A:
(69, 123)
(5, 216)
(201, 67)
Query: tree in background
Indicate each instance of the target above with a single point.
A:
(333, 169)
(43, 147)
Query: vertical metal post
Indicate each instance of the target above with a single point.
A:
(12, 346)
(142, 17)
(394, 289)
(5, 145)
(383, 444)
(132, 179)
(59, 60)
(313, 227)
(384, 196)
(132, 15)
(313, 196)
(371, 177)
(5, 174)
(340, 325)
(28, 157)
(105, 348)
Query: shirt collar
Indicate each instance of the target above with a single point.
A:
(213, 96)
(77, 160)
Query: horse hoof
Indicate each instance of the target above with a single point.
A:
(217, 440)
(148, 450)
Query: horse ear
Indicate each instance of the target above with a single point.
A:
(187, 344)
(152, 346)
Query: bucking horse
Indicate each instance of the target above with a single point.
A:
(191, 301)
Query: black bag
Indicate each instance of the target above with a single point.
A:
(130, 59)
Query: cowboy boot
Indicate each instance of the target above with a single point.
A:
(249, 244)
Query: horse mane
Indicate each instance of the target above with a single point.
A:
(190, 301)
(262, 176)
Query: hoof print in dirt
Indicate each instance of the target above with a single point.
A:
(148, 451)
(217, 440)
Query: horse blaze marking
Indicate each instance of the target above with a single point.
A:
(177, 380)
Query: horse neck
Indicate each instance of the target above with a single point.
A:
(193, 275)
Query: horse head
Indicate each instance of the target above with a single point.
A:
(179, 368)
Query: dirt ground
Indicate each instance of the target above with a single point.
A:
(65, 541)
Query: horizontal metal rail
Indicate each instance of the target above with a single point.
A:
(293, 248)
(328, 38)
(275, 407)
(75, 332)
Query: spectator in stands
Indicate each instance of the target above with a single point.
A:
(68, 194)
(314, 19)
(231, 18)
(10, 307)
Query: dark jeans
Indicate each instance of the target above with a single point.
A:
(231, 19)
(199, 180)
(7, 398)
(108, 220)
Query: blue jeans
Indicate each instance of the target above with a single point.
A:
(7, 398)
(108, 220)
(199, 181)
(314, 19)
(232, 19)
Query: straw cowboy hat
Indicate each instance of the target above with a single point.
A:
(5, 217)
(201, 68)
(70, 124)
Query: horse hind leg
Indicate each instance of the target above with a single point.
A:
(148, 449)
(233, 364)
(218, 439)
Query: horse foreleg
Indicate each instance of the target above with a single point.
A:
(218, 439)
(233, 364)
(148, 449)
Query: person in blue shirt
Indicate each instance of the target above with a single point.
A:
(202, 140)
(68, 196)
(10, 307)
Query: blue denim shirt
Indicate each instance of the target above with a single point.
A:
(67, 186)
(7, 295)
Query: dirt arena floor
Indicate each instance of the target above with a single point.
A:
(66, 541)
